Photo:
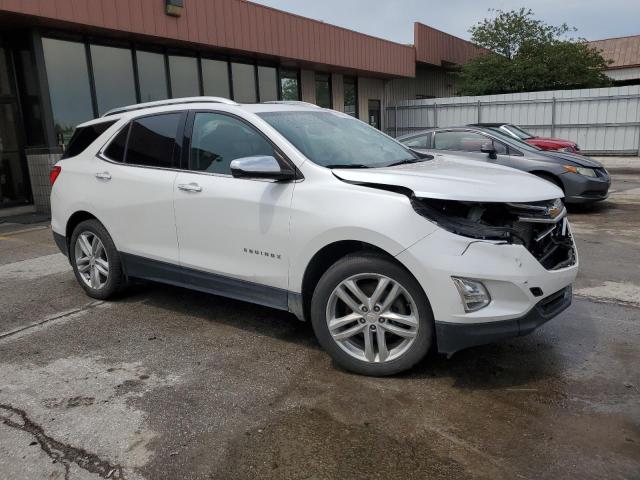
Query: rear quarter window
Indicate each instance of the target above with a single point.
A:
(84, 136)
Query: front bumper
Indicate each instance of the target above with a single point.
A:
(518, 284)
(582, 189)
(453, 337)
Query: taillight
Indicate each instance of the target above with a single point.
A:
(53, 174)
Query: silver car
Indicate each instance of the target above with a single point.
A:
(582, 179)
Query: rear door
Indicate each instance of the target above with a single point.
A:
(133, 186)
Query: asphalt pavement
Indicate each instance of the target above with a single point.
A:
(168, 383)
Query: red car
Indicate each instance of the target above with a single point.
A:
(544, 143)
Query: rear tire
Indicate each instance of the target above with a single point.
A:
(96, 262)
(353, 300)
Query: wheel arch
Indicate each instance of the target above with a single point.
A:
(74, 220)
(328, 255)
(551, 177)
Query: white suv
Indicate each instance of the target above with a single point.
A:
(288, 205)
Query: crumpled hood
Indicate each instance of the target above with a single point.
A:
(572, 159)
(448, 177)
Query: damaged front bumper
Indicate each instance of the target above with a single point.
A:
(517, 282)
(453, 337)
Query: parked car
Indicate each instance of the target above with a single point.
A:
(582, 179)
(308, 210)
(543, 143)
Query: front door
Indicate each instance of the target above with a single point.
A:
(14, 180)
(233, 233)
(374, 113)
(469, 144)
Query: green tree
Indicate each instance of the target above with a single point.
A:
(526, 54)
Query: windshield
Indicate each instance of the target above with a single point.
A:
(515, 142)
(333, 139)
(518, 132)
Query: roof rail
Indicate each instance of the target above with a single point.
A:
(172, 101)
(294, 102)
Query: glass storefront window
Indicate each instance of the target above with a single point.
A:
(215, 78)
(68, 77)
(289, 86)
(351, 96)
(323, 90)
(244, 82)
(184, 76)
(30, 98)
(151, 76)
(14, 189)
(5, 87)
(268, 83)
(113, 77)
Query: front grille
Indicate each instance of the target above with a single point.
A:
(594, 194)
(550, 243)
(541, 226)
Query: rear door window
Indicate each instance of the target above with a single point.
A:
(152, 140)
(85, 136)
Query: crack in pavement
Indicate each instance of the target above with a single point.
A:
(51, 318)
(59, 451)
(608, 300)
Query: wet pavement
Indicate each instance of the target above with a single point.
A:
(169, 383)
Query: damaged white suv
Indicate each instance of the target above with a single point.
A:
(387, 252)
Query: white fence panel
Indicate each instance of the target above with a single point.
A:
(600, 120)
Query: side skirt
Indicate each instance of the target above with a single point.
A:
(162, 272)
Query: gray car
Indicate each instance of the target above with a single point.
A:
(582, 179)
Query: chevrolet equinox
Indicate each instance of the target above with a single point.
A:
(387, 251)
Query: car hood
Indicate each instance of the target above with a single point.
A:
(571, 159)
(557, 141)
(456, 178)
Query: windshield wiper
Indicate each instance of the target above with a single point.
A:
(408, 160)
(347, 165)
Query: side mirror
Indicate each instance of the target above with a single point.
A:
(422, 154)
(490, 149)
(266, 167)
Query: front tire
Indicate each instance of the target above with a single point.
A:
(96, 262)
(371, 315)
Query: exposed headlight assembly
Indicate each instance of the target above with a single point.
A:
(489, 221)
(587, 172)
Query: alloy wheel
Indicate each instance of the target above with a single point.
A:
(91, 260)
(372, 317)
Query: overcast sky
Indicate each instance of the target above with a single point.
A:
(393, 19)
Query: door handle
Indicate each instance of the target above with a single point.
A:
(190, 187)
(103, 176)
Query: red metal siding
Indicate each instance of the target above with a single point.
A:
(435, 47)
(234, 24)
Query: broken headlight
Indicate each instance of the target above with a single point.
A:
(510, 222)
